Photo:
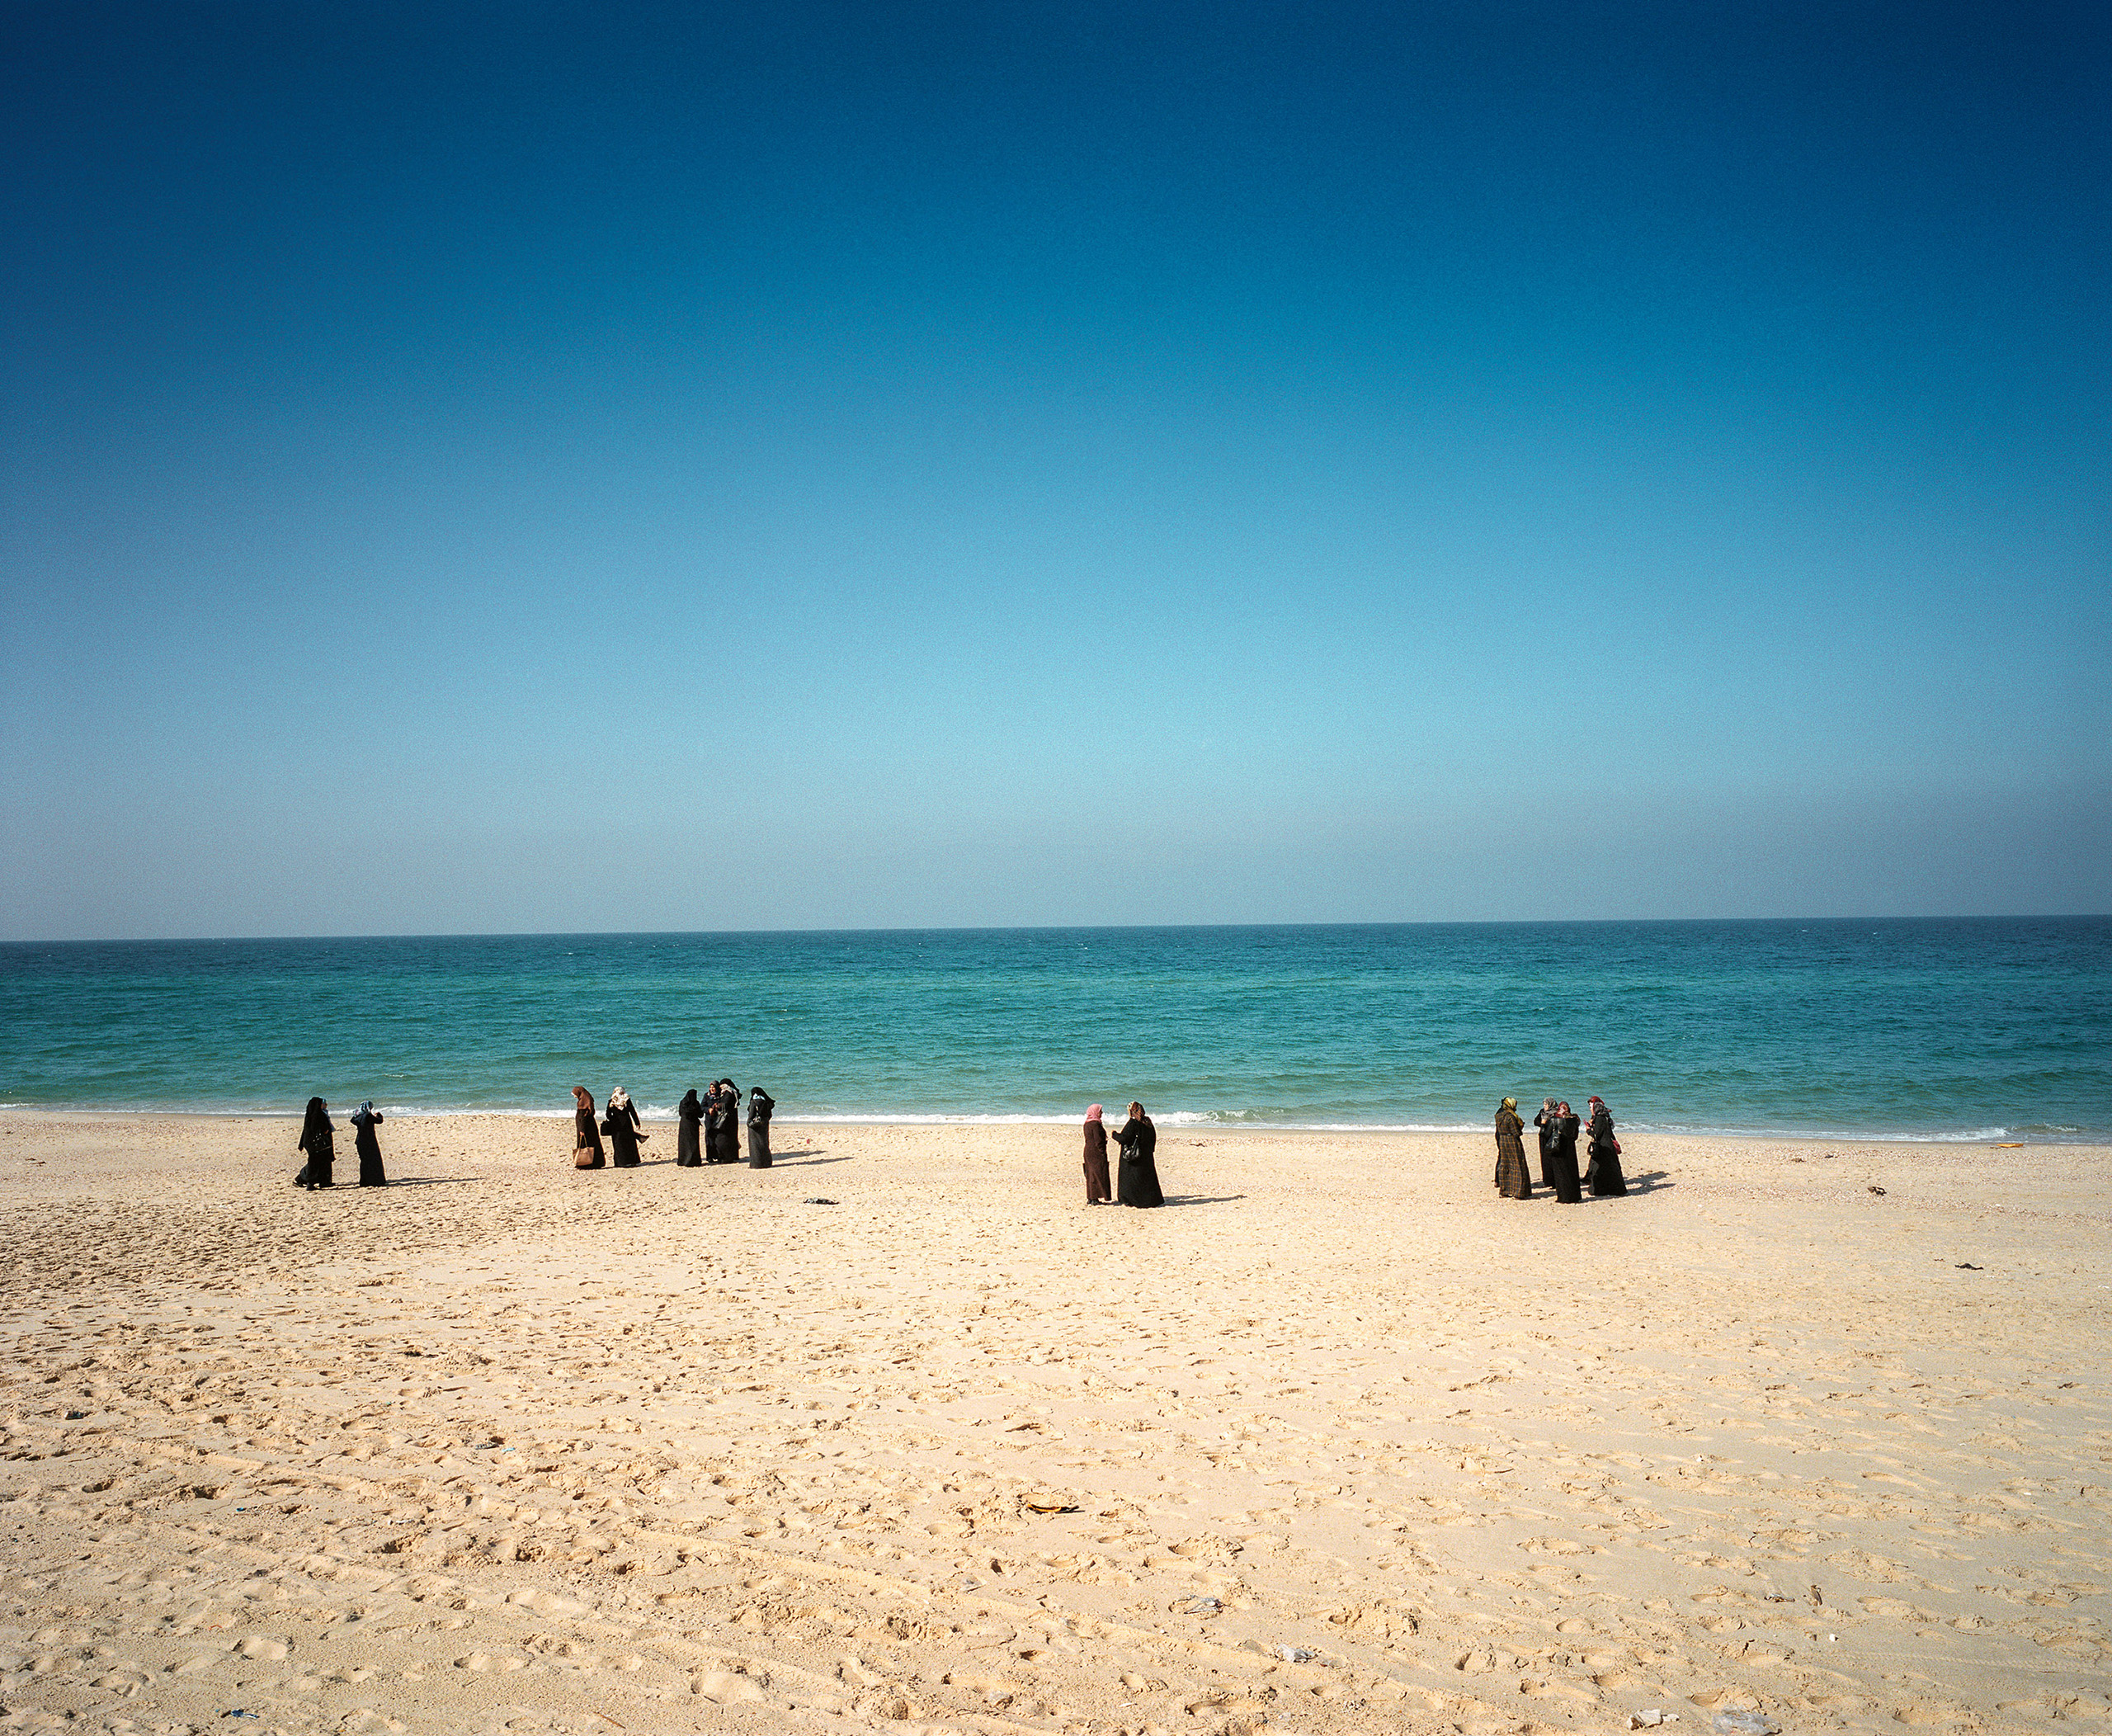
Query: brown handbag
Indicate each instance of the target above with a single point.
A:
(582, 1157)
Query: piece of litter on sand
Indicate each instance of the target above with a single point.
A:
(1204, 1606)
(1293, 1654)
(1650, 1719)
(1876, 1189)
(818, 1200)
(1745, 1724)
(1967, 1266)
(1049, 1506)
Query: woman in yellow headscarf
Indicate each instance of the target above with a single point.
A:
(1514, 1181)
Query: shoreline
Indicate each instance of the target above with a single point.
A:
(1992, 1140)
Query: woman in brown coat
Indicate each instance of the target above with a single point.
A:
(1098, 1191)
(1514, 1180)
(586, 1135)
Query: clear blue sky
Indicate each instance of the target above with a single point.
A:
(516, 466)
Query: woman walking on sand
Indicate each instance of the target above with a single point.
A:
(586, 1135)
(364, 1121)
(690, 1113)
(1096, 1191)
(624, 1131)
(1138, 1182)
(1561, 1157)
(761, 1103)
(319, 1140)
(1514, 1181)
(1604, 1176)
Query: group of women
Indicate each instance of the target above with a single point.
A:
(1137, 1178)
(319, 1138)
(1558, 1126)
(709, 1130)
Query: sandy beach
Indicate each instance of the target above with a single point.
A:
(900, 1432)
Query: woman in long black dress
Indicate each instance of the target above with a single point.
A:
(364, 1121)
(1138, 1181)
(319, 1140)
(1604, 1176)
(1561, 1157)
(761, 1103)
(585, 1132)
(691, 1112)
(722, 1117)
(1514, 1181)
(1544, 1120)
(1096, 1187)
(624, 1131)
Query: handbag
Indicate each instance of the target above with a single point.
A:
(582, 1157)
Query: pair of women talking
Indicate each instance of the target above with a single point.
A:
(318, 1139)
(1137, 1177)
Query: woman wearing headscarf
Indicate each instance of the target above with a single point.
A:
(722, 1113)
(1096, 1190)
(1544, 1120)
(586, 1135)
(1604, 1176)
(761, 1103)
(319, 1140)
(1514, 1181)
(691, 1112)
(624, 1131)
(364, 1119)
(1139, 1175)
(1561, 1157)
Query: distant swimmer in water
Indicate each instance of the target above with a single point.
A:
(1138, 1182)
(1604, 1176)
(586, 1135)
(319, 1140)
(624, 1130)
(364, 1119)
(1514, 1180)
(1097, 1189)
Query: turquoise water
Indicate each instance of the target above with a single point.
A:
(1936, 1030)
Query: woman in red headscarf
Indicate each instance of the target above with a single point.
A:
(1098, 1191)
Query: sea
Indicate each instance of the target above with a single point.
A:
(1936, 1030)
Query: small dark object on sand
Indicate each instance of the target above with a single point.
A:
(1877, 1190)
(1967, 1266)
(818, 1200)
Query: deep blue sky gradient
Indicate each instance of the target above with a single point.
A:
(500, 467)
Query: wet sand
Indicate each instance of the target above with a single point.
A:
(1338, 1440)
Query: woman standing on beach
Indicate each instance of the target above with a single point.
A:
(721, 1114)
(1544, 1120)
(761, 1103)
(364, 1121)
(1139, 1174)
(624, 1131)
(691, 1112)
(1514, 1180)
(585, 1136)
(1561, 1157)
(1097, 1192)
(319, 1140)
(1604, 1176)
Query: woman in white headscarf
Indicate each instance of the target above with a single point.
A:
(624, 1130)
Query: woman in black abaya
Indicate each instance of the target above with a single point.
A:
(624, 1131)
(319, 1140)
(1604, 1176)
(1561, 1157)
(586, 1131)
(1136, 1182)
(1544, 1120)
(761, 1103)
(691, 1112)
(364, 1121)
(722, 1117)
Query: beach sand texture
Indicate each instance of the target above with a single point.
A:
(1339, 1441)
